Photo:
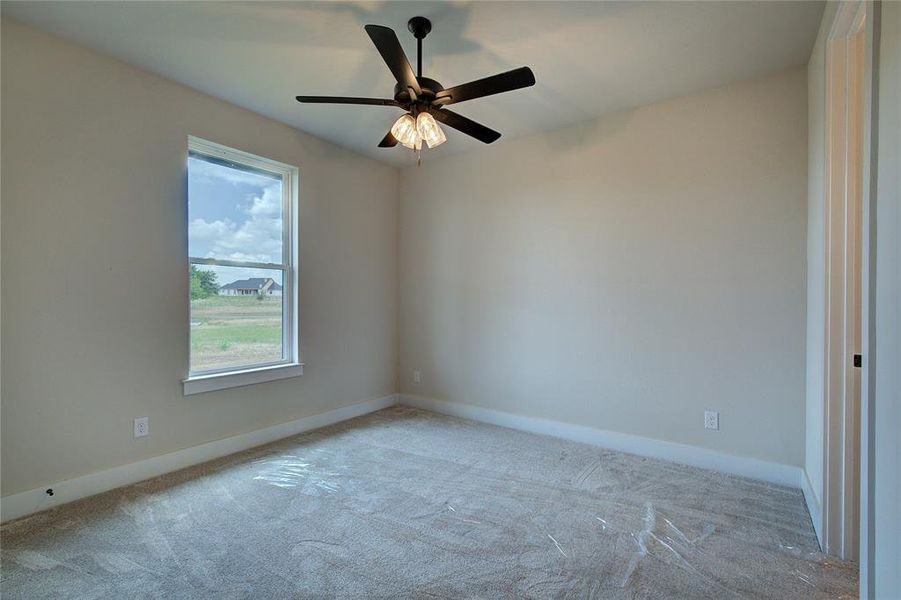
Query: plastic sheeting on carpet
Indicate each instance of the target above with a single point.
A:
(406, 504)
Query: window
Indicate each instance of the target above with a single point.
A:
(242, 250)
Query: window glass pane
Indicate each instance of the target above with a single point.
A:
(236, 317)
(234, 212)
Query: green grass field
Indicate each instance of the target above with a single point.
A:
(228, 331)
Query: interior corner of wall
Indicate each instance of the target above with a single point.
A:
(814, 506)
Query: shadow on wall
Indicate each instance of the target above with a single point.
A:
(573, 137)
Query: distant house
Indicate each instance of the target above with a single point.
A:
(251, 287)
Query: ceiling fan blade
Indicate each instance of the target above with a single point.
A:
(496, 84)
(343, 100)
(467, 126)
(389, 47)
(389, 141)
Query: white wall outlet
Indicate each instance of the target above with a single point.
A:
(142, 426)
(417, 376)
(711, 419)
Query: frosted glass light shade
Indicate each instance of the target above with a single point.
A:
(429, 130)
(404, 131)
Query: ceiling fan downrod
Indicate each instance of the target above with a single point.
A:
(419, 27)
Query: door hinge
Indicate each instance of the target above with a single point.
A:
(858, 360)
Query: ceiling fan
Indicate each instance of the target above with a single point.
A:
(424, 99)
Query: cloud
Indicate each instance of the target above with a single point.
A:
(258, 239)
(201, 230)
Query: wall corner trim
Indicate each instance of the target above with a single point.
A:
(704, 458)
(813, 506)
(36, 500)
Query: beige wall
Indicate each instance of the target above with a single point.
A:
(93, 261)
(626, 273)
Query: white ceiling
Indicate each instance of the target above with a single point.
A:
(589, 58)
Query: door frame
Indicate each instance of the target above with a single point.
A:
(849, 114)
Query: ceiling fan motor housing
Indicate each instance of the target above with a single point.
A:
(430, 89)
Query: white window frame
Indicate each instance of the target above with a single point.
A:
(290, 366)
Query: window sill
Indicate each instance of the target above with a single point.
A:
(220, 381)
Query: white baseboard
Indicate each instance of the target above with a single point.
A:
(633, 444)
(36, 500)
(32, 501)
(813, 506)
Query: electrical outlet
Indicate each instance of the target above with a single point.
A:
(711, 419)
(142, 426)
(417, 376)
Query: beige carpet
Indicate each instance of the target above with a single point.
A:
(409, 504)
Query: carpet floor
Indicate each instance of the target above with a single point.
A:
(405, 503)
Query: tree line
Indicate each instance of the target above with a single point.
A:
(203, 283)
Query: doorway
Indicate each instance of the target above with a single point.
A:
(846, 166)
